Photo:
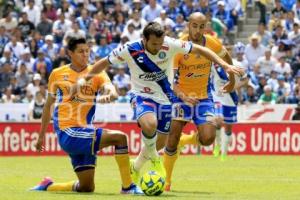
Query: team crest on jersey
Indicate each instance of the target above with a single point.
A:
(162, 55)
(186, 56)
(66, 77)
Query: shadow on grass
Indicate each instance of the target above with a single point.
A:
(167, 195)
(193, 192)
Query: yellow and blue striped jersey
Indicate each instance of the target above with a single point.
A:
(79, 110)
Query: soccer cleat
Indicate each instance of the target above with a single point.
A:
(158, 166)
(216, 151)
(132, 189)
(135, 175)
(43, 185)
(168, 187)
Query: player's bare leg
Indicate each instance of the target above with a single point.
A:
(206, 133)
(170, 154)
(217, 145)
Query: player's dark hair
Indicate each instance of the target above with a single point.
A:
(153, 28)
(74, 41)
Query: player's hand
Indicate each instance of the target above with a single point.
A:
(107, 98)
(235, 70)
(228, 87)
(39, 145)
(190, 100)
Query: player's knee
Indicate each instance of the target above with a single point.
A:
(122, 139)
(206, 139)
(149, 127)
(87, 188)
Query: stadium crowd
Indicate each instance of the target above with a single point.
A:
(33, 35)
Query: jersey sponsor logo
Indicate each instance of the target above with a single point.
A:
(153, 76)
(161, 62)
(165, 47)
(140, 59)
(137, 52)
(65, 77)
(183, 44)
(162, 55)
(193, 75)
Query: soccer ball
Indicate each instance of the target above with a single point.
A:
(152, 183)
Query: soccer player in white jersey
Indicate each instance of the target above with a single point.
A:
(225, 107)
(150, 62)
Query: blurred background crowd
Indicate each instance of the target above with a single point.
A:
(34, 33)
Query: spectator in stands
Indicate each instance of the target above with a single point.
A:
(294, 36)
(224, 15)
(49, 10)
(61, 59)
(9, 22)
(60, 27)
(249, 97)
(28, 97)
(15, 89)
(8, 97)
(172, 10)
(296, 89)
(254, 50)
(74, 32)
(203, 7)
(273, 81)
(296, 9)
(180, 25)
(279, 34)
(23, 77)
(84, 20)
(27, 60)
(217, 25)
(151, 11)
(164, 20)
(282, 90)
(5, 75)
(7, 58)
(131, 33)
(282, 66)
(66, 9)
(278, 11)
(16, 48)
(187, 8)
(255, 74)
(33, 12)
(268, 97)
(262, 5)
(265, 35)
(25, 26)
(235, 9)
(138, 22)
(45, 25)
(121, 79)
(136, 5)
(239, 52)
(104, 49)
(296, 115)
(42, 62)
(50, 49)
(123, 95)
(262, 82)
(3, 39)
(36, 107)
(34, 86)
(289, 21)
(267, 62)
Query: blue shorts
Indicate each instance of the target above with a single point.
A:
(142, 105)
(82, 145)
(202, 113)
(228, 113)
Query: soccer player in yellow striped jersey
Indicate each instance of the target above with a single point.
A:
(192, 86)
(72, 119)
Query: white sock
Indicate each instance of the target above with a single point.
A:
(147, 151)
(218, 137)
(225, 143)
(141, 159)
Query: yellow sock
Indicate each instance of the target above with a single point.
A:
(124, 168)
(169, 162)
(187, 139)
(61, 186)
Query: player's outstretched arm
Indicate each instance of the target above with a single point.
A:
(98, 67)
(216, 59)
(46, 117)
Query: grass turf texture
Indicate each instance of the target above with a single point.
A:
(195, 177)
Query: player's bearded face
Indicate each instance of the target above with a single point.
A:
(196, 30)
(154, 44)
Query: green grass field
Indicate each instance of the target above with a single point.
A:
(196, 177)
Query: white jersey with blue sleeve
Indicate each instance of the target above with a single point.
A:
(151, 75)
(219, 79)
